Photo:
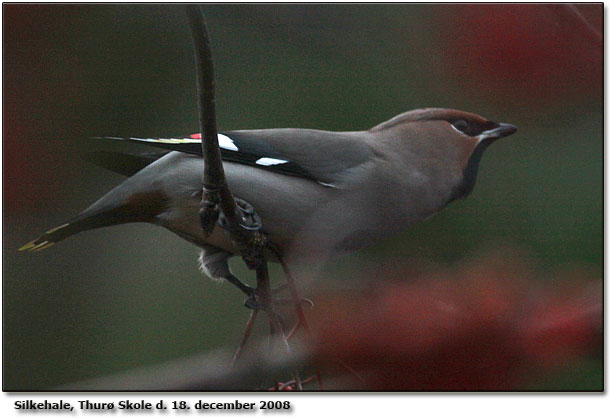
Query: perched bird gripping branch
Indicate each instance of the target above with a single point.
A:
(318, 193)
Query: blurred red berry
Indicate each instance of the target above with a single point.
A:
(524, 52)
(478, 328)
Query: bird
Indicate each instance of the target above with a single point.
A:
(318, 193)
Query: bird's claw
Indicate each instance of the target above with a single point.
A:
(252, 303)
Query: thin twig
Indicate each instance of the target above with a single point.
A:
(283, 386)
(263, 290)
(293, 290)
(244, 340)
(293, 331)
(350, 369)
(302, 320)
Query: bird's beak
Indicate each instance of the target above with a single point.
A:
(502, 130)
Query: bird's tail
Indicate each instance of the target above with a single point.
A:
(134, 200)
(85, 221)
(48, 239)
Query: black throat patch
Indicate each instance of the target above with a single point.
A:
(469, 174)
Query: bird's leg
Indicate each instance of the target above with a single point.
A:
(251, 243)
(246, 289)
(214, 262)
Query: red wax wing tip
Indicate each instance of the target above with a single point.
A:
(196, 136)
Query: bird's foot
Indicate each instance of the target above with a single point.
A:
(252, 302)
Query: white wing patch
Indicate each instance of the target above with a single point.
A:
(167, 140)
(268, 161)
(226, 143)
(328, 185)
(223, 141)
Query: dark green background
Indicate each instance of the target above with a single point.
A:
(112, 299)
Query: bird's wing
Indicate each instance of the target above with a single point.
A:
(123, 163)
(321, 156)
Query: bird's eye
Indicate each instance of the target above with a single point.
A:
(461, 126)
(470, 128)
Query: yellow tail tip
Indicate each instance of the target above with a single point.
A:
(34, 247)
(27, 246)
(53, 230)
(42, 246)
(37, 244)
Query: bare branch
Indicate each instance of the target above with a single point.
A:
(205, 372)
(215, 188)
(216, 194)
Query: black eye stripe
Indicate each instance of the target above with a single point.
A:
(469, 128)
(461, 126)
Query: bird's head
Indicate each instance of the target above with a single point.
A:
(447, 141)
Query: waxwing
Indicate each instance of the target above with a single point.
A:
(318, 193)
